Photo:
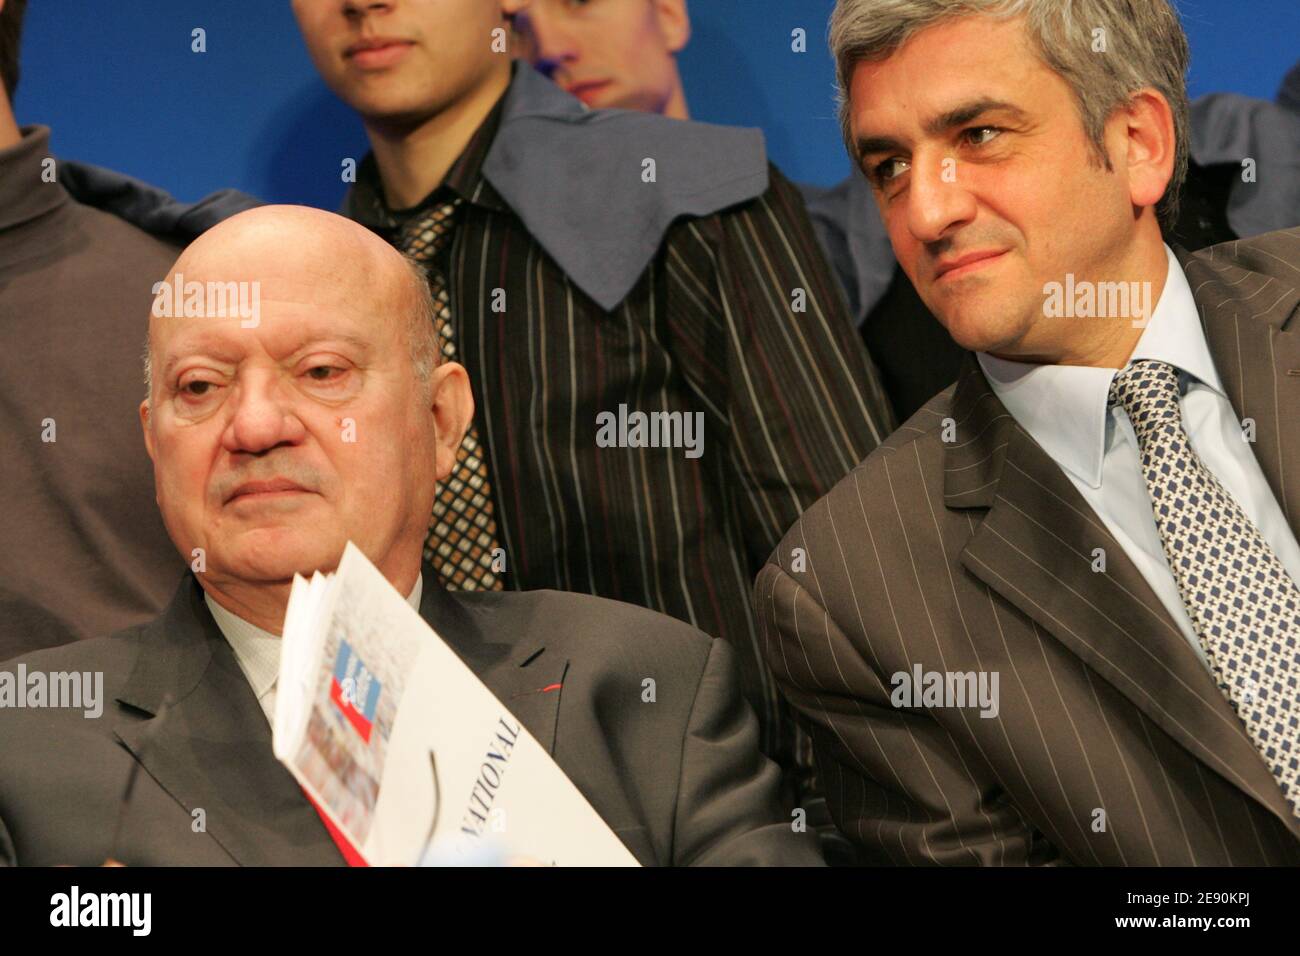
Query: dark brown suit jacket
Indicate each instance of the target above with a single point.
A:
(1112, 744)
(679, 779)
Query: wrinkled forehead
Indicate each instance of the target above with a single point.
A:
(275, 327)
(237, 298)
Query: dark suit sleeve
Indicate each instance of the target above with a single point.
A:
(728, 812)
(767, 341)
(880, 766)
(804, 400)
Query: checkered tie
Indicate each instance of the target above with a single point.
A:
(462, 529)
(1244, 606)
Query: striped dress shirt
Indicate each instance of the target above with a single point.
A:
(735, 322)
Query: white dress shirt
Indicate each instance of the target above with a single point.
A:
(258, 651)
(1065, 409)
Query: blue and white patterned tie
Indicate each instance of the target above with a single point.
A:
(1244, 605)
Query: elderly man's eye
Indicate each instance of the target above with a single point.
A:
(325, 373)
(197, 388)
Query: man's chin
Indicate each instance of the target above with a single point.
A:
(383, 103)
(278, 553)
(981, 331)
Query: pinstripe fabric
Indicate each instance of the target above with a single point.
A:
(790, 404)
(977, 554)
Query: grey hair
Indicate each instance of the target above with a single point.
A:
(421, 333)
(1145, 38)
(147, 358)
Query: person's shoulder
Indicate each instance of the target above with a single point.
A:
(1264, 269)
(866, 490)
(1271, 254)
(112, 654)
(618, 181)
(141, 209)
(922, 436)
(1222, 124)
(689, 151)
(46, 695)
(585, 625)
(134, 248)
(545, 130)
(95, 212)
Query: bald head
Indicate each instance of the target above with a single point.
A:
(253, 253)
(295, 405)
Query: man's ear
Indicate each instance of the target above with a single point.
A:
(674, 23)
(452, 407)
(1150, 146)
(145, 412)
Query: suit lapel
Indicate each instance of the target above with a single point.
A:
(1036, 547)
(531, 691)
(1247, 320)
(523, 675)
(253, 807)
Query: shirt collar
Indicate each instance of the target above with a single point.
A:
(1065, 407)
(596, 217)
(25, 193)
(1175, 335)
(258, 650)
(591, 163)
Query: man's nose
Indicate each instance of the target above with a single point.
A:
(551, 44)
(356, 9)
(262, 416)
(937, 200)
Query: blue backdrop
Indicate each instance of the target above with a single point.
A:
(120, 87)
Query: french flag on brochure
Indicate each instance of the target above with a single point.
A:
(354, 690)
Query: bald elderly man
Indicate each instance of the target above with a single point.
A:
(314, 413)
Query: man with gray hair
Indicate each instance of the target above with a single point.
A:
(1099, 518)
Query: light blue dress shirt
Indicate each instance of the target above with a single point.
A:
(1065, 409)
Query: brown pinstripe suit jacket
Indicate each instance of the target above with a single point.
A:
(1112, 745)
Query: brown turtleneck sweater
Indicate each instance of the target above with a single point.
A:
(83, 551)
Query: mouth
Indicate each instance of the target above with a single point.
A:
(952, 269)
(377, 53)
(272, 490)
(589, 92)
